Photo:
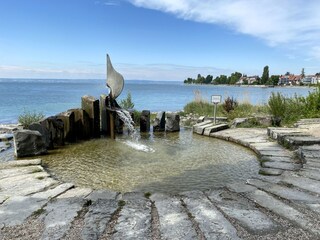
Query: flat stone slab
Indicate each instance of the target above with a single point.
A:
(302, 182)
(59, 215)
(295, 142)
(174, 221)
(12, 172)
(281, 165)
(6, 137)
(26, 184)
(270, 171)
(20, 163)
(291, 194)
(267, 201)
(276, 159)
(102, 194)
(215, 128)
(309, 173)
(200, 129)
(134, 221)
(246, 214)
(17, 209)
(97, 217)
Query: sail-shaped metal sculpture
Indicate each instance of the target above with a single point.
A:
(115, 80)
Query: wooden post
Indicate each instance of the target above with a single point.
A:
(112, 120)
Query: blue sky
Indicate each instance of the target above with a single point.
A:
(157, 39)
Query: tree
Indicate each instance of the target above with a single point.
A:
(208, 79)
(287, 74)
(234, 78)
(274, 80)
(302, 73)
(127, 102)
(265, 75)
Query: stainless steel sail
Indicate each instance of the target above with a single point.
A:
(115, 80)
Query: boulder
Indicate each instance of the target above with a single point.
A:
(160, 122)
(173, 122)
(91, 106)
(145, 121)
(51, 130)
(44, 133)
(28, 143)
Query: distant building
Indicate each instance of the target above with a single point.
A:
(248, 80)
(311, 79)
(289, 79)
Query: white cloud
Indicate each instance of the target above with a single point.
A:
(294, 24)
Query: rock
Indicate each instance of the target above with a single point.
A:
(160, 122)
(52, 131)
(43, 131)
(69, 125)
(237, 121)
(145, 121)
(6, 137)
(173, 122)
(81, 124)
(91, 106)
(28, 143)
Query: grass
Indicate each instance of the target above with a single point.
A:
(29, 117)
(38, 212)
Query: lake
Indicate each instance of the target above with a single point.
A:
(52, 96)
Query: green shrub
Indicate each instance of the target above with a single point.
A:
(312, 104)
(229, 104)
(127, 102)
(277, 105)
(28, 117)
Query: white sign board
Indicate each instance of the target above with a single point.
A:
(216, 99)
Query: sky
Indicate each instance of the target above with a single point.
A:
(157, 39)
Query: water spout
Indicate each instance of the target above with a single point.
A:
(126, 118)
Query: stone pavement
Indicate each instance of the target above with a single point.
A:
(283, 203)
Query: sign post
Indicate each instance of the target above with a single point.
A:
(215, 99)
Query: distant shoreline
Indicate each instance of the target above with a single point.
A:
(256, 86)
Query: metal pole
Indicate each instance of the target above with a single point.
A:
(214, 113)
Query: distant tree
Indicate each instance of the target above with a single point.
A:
(234, 78)
(302, 73)
(265, 75)
(274, 80)
(208, 79)
(287, 74)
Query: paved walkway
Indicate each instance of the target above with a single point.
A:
(284, 203)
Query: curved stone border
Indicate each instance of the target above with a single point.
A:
(33, 205)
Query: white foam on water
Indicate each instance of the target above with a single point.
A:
(139, 146)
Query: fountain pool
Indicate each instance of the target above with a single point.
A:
(158, 162)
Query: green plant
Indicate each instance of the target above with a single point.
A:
(229, 104)
(147, 194)
(277, 104)
(127, 102)
(121, 203)
(200, 108)
(28, 117)
(312, 104)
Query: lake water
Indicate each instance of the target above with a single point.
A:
(55, 96)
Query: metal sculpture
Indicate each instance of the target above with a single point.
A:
(115, 80)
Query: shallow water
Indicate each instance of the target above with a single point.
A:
(162, 162)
